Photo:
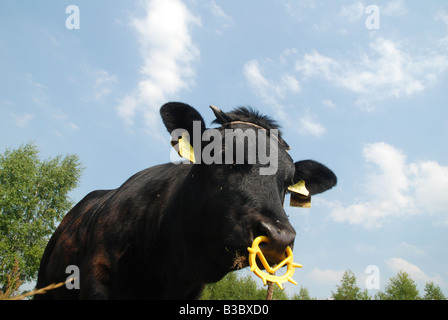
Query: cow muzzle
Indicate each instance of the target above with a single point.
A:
(280, 236)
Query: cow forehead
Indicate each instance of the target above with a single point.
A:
(275, 133)
(284, 162)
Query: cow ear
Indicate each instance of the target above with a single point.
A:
(181, 121)
(177, 115)
(313, 177)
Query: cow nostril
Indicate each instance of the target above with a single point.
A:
(280, 236)
(263, 230)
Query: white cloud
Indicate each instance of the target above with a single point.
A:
(31, 81)
(312, 4)
(352, 12)
(273, 93)
(127, 109)
(394, 8)
(72, 125)
(328, 103)
(357, 10)
(103, 83)
(327, 276)
(270, 91)
(38, 91)
(387, 70)
(399, 264)
(410, 249)
(289, 83)
(61, 117)
(384, 72)
(298, 8)
(22, 120)
(253, 74)
(168, 55)
(218, 13)
(39, 94)
(430, 181)
(395, 188)
(389, 181)
(315, 64)
(442, 16)
(308, 125)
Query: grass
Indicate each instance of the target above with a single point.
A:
(13, 284)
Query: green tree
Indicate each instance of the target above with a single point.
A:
(348, 290)
(33, 199)
(400, 287)
(304, 294)
(233, 287)
(433, 292)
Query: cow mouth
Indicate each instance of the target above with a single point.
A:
(272, 256)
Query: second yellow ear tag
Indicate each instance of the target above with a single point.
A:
(300, 196)
(185, 149)
(255, 251)
(301, 201)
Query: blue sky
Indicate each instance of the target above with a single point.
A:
(368, 103)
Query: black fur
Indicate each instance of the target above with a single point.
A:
(170, 229)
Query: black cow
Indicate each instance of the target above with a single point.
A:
(172, 228)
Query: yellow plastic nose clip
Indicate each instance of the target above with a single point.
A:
(255, 251)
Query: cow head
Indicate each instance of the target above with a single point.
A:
(235, 200)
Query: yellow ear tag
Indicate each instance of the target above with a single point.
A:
(185, 149)
(255, 251)
(301, 201)
(300, 196)
(299, 188)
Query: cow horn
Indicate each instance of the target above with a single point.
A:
(215, 109)
(221, 117)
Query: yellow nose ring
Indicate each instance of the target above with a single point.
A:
(255, 251)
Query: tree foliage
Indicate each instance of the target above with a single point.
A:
(433, 292)
(348, 290)
(400, 287)
(33, 199)
(233, 287)
(304, 294)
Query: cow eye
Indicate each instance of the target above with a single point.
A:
(288, 183)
